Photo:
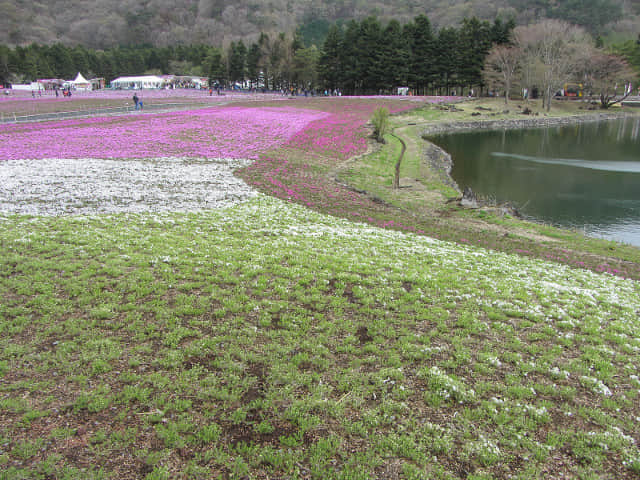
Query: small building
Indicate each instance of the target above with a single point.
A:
(33, 86)
(97, 83)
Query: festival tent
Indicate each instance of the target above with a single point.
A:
(144, 81)
(97, 83)
(81, 83)
(51, 83)
(200, 82)
(28, 86)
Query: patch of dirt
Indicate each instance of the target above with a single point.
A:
(363, 335)
(205, 361)
(257, 390)
(235, 434)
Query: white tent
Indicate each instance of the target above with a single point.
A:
(81, 83)
(33, 86)
(144, 81)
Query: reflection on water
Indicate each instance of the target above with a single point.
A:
(609, 166)
(584, 176)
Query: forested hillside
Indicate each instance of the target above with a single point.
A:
(98, 24)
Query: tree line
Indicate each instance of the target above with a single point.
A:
(29, 63)
(369, 58)
(359, 57)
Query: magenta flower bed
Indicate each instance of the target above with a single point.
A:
(343, 134)
(156, 94)
(337, 136)
(328, 141)
(226, 132)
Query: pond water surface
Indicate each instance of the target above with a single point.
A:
(584, 176)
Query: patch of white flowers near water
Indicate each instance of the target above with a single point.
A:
(86, 186)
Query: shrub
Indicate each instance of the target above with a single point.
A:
(380, 122)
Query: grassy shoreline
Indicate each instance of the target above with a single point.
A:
(427, 189)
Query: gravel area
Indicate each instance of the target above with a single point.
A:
(96, 186)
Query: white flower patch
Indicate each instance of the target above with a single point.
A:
(52, 187)
(574, 290)
(448, 387)
(597, 385)
(557, 373)
(485, 450)
(495, 361)
(538, 413)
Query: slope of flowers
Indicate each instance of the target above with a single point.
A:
(284, 340)
(301, 173)
(230, 132)
(327, 142)
(343, 134)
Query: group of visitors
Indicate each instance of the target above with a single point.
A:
(66, 92)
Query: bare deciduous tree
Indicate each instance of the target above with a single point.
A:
(606, 76)
(555, 50)
(501, 66)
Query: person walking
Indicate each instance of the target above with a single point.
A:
(136, 101)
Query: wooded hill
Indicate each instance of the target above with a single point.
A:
(365, 57)
(99, 24)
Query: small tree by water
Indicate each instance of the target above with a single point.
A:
(380, 122)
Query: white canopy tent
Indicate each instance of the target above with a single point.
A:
(28, 86)
(145, 81)
(81, 83)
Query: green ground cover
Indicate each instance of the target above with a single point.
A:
(269, 341)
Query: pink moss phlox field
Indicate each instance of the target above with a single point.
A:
(343, 134)
(227, 132)
(328, 140)
(337, 136)
(126, 95)
(300, 184)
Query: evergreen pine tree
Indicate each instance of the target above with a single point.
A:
(216, 69)
(253, 64)
(237, 61)
(394, 57)
(422, 44)
(474, 43)
(351, 63)
(330, 69)
(370, 53)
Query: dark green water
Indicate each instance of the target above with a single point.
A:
(583, 176)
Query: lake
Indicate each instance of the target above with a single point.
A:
(583, 176)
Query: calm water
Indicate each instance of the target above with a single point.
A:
(581, 176)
